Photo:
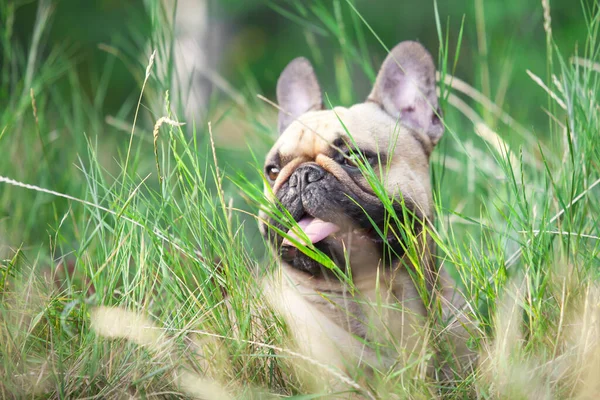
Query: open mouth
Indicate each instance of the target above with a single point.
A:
(338, 241)
(345, 241)
(316, 230)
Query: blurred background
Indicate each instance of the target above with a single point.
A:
(72, 71)
(238, 39)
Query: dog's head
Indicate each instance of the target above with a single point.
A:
(313, 168)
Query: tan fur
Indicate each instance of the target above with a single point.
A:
(323, 315)
(323, 325)
(371, 128)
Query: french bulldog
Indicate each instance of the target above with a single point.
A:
(357, 284)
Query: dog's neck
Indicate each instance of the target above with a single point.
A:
(392, 282)
(384, 308)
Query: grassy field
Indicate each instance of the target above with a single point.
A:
(136, 213)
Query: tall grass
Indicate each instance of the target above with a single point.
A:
(111, 225)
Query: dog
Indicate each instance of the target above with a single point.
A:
(371, 308)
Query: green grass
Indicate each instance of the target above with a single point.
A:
(161, 226)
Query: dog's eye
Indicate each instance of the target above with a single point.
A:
(272, 172)
(352, 159)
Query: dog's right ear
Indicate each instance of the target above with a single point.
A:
(298, 92)
(405, 89)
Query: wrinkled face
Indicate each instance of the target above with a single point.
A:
(313, 167)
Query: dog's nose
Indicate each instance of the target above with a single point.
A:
(306, 174)
(312, 173)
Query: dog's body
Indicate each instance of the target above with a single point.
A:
(316, 171)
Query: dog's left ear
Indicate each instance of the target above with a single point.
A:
(405, 89)
(298, 91)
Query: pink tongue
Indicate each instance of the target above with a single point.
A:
(315, 228)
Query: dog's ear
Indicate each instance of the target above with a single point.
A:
(298, 92)
(405, 89)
